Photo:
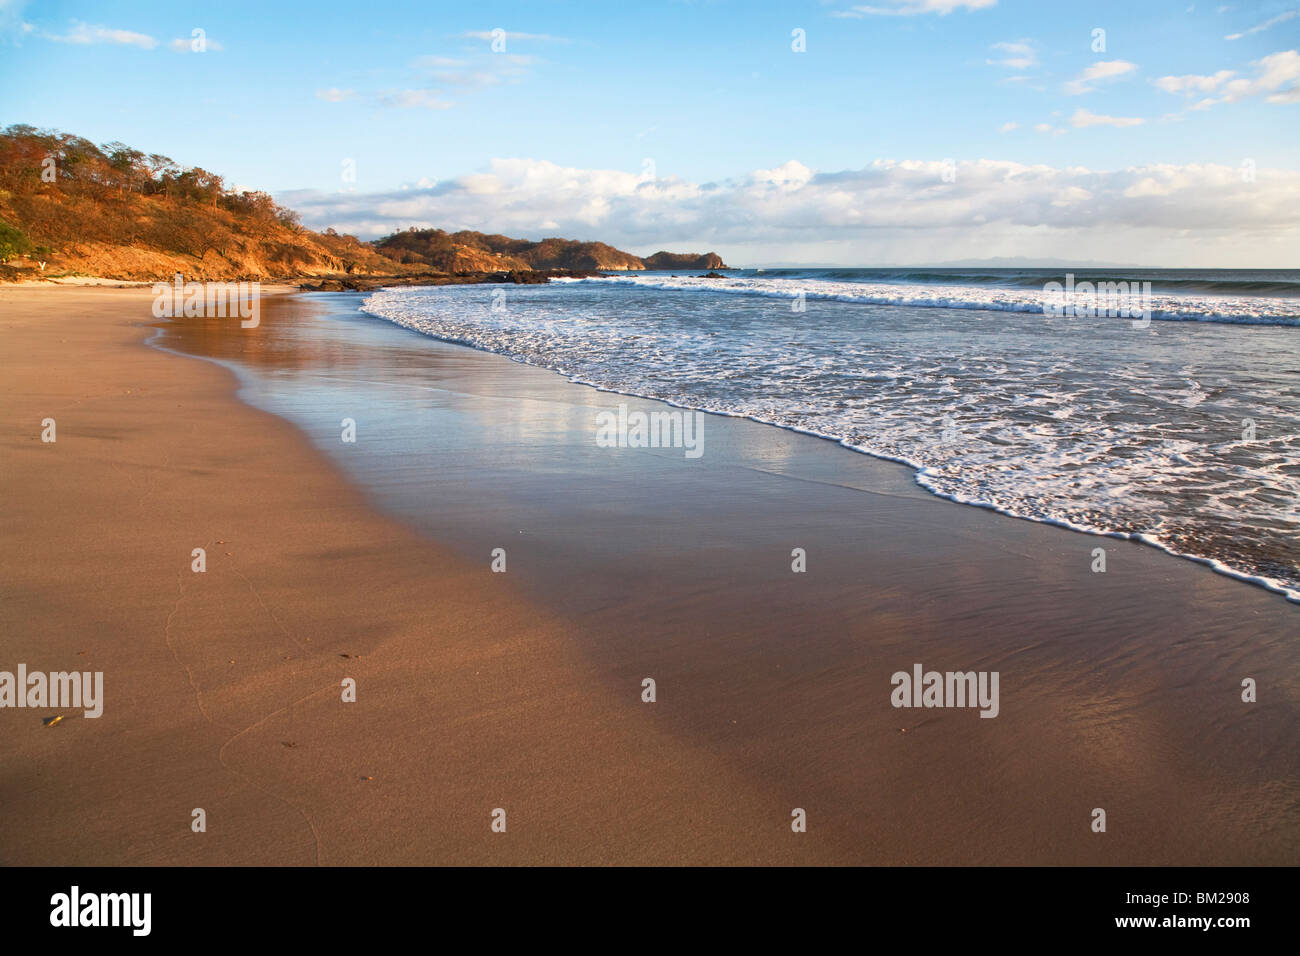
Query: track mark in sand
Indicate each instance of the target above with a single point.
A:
(301, 812)
(267, 609)
(198, 700)
(167, 639)
(148, 477)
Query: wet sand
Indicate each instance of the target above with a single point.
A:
(522, 690)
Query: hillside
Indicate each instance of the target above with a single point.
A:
(453, 252)
(69, 207)
(116, 212)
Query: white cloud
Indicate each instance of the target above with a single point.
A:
(335, 95)
(1019, 55)
(413, 99)
(434, 75)
(1008, 126)
(1277, 79)
(85, 34)
(789, 175)
(1276, 71)
(1071, 195)
(186, 45)
(1191, 82)
(480, 71)
(513, 35)
(1100, 71)
(468, 79)
(1266, 25)
(1083, 118)
(909, 8)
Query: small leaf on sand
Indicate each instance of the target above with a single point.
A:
(51, 721)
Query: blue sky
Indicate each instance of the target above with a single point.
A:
(414, 96)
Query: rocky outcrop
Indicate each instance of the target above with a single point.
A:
(684, 260)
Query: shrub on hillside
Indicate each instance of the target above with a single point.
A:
(12, 242)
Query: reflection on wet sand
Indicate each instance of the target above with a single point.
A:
(1118, 689)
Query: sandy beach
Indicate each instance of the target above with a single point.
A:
(522, 691)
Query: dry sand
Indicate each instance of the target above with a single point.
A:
(522, 691)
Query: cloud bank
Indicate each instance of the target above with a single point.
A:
(879, 213)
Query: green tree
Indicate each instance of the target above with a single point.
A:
(12, 242)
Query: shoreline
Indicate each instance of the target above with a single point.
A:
(324, 283)
(1270, 585)
(774, 688)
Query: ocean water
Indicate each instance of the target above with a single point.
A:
(1183, 432)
